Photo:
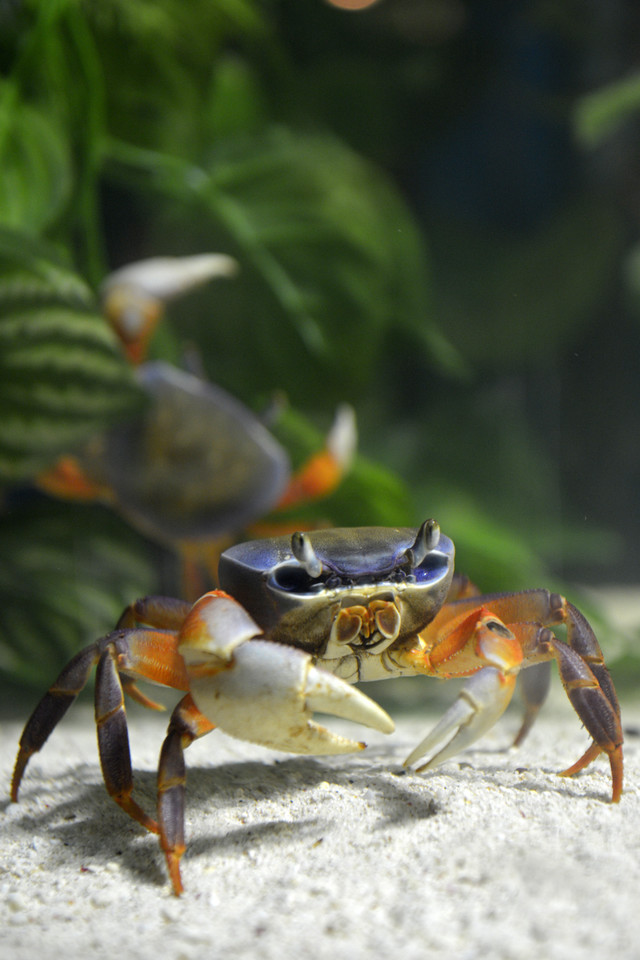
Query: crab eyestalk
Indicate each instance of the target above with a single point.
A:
(426, 540)
(306, 556)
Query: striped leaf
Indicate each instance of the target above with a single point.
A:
(66, 573)
(62, 376)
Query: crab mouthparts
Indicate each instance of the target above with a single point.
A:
(377, 623)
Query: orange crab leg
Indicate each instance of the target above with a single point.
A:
(318, 477)
(150, 654)
(166, 613)
(186, 725)
(323, 471)
(162, 663)
(461, 588)
(590, 754)
(68, 480)
(585, 678)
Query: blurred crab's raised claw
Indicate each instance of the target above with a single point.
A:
(323, 471)
(266, 692)
(479, 705)
(134, 296)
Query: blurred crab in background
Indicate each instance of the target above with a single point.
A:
(197, 466)
(300, 619)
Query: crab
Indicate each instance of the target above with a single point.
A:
(298, 620)
(195, 466)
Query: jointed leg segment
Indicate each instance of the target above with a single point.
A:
(113, 738)
(51, 709)
(185, 726)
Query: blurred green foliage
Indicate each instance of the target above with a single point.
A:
(320, 149)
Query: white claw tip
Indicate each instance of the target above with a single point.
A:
(342, 439)
(329, 694)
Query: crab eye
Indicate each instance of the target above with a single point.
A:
(293, 578)
(498, 628)
(432, 566)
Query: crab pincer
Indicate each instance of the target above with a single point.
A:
(266, 692)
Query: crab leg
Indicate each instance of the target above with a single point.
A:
(51, 709)
(599, 715)
(322, 472)
(165, 613)
(534, 686)
(318, 476)
(584, 675)
(113, 738)
(150, 654)
(185, 726)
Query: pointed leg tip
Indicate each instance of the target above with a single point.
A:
(18, 772)
(173, 865)
(527, 722)
(617, 775)
(412, 758)
(615, 761)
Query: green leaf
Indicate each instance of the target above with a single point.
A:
(599, 114)
(327, 233)
(236, 102)
(62, 376)
(36, 172)
(66, 574)
(331, 259)
(506, 299)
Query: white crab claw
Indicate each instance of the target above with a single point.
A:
(134, 295)
(168, 277)
(267, 695)
(480, 703)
